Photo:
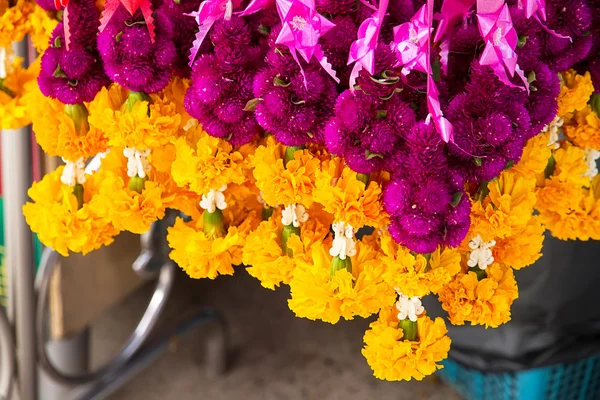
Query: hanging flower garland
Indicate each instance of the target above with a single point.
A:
(364, 154)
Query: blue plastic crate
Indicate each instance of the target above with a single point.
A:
(579, 380)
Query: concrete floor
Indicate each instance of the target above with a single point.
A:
(275, 355)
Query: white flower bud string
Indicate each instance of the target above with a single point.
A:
(294, 214)
(214, 199)
(73, 173)
(481, 253)
(343, 242)
(137, 162)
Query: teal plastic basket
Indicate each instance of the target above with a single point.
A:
(579, 380)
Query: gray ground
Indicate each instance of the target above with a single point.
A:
(277, 356)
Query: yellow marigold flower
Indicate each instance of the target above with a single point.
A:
(281, 184)
(15, 91)
(584, 129)
(316, 295)
(535, 156)
(567, 209)
(571, 165)
(204, 256)
(342, 194)
(506, 209)
(41, 25)
(208, 164)
(417, 275)
(147, 125)
(57, 133)
(523, 248)
(575, 92)
(394, 359)
(13, 22)
(265, 257)
(54, 214)
(486, 302)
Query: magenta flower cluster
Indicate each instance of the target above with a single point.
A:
(244, 85)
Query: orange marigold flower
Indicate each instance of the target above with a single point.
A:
(535, 156)
(417, 274)
(571, 165)
(575, 92)
(317, 295)
(394, 359)
(284, 184)
(584, 129)
(15, 97)
(56, 216)
(346, 197)
(486, 302)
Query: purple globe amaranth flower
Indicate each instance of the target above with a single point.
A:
(571, 18)
(47, 5)
(72, 76)
(184, 31)
(335, 6)
(426, 212)
(237, 47)
(423, 153)
(219, 103)
(336, 46)
(541, 102)
(386, 78)
(367, 130)
(222, 83)
(131, 59)
(464, 43)
(491, 125)
(293, 111)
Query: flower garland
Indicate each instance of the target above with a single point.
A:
(432, 163)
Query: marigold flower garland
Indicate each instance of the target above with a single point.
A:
(422, 167)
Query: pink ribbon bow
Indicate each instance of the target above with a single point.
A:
(412, 44)
(58, 4)
(131, 6)
(537, 9)
(500, 36)
(411, 41)
(302, 28)
(210, 11)
(257, 5)
(362, 51)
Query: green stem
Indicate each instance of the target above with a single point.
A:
(337, 264)
(214, 224)
(289, 153)
(137, 184)
(79, 114)
(364, 178)
(286, 233)
(267, 213)
(595, 103)
(78, 192)
(481, 274)
(134, 97)
(409, 330)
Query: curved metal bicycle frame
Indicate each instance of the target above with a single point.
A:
(133, 344)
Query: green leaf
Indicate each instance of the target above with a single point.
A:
(118, 37)
(478, 161)
(522, 41)
(277, 81)
(370, 155)
(57, 42)
(381, 114)
(58, 73)
(251, 105)
(550, 168)
(130, 24)
(456, 198)
(509, 164)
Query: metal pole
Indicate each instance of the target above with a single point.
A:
(16, 179)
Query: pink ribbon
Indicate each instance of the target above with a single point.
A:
(362, 51)
(412, 44)
(451, 13)
(257, 5)
(210, 11)
(58, 4)
(302, 28)
(500, 36)
(131, 6)
(537, 9)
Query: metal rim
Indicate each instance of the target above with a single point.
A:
(133, 344)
